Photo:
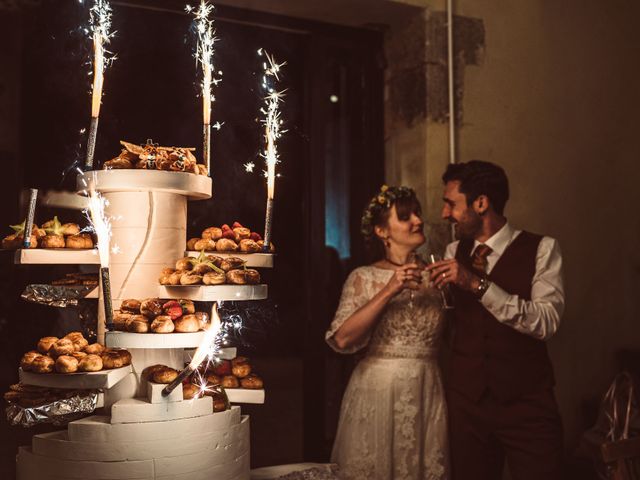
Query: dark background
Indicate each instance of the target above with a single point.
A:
(332, 162)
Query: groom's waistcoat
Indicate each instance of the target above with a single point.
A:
(488, 355)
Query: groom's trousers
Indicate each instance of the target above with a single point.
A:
(526, 432)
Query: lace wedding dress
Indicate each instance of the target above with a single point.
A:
(393, 420)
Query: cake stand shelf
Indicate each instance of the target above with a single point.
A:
(254, 260)
(56, 256)
(101, 379)
(194, 187)
(244, 395)
(211, 293)
(153, 340)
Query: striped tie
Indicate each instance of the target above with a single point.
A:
(479, 259)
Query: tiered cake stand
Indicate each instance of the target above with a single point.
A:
(144, 435)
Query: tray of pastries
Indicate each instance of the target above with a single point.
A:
(237, 377)
(234, 239)
(153, 315)
(71, 362)
(53, 234)
(154, 157)
(209, 270)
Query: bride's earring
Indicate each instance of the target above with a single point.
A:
(387, 243)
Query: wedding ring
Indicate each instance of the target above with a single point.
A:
(444, 275)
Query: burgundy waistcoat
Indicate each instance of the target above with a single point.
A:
(487, 354)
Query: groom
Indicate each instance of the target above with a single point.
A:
(508, 297)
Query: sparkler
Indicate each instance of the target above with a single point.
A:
(204, 56)
(100, 24)
(33, 196)
(102, 228)
(208, 347)
(272, 132)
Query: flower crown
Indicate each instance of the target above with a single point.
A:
(380, 202)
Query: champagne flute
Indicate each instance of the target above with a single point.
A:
(445, 290)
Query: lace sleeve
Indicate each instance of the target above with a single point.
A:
(353, 297)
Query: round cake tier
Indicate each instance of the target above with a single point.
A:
(153, 340)
(254, 260)
(214, 293)
(195, 187)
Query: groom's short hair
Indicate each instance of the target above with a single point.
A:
(477, 178)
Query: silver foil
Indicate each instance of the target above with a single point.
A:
(56, 295)
(59, 412)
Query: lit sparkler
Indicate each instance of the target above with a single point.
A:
(204, 56)
(99, 28)
(272, 132)
(207, 349)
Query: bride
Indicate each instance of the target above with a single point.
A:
(393, 419)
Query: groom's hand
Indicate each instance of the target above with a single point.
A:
(451, 271)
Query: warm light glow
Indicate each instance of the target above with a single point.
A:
(101, 225)
(100, 24)
(271, 118)
(208, 347)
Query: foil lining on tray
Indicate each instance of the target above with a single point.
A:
(59, 412)
(56, 295)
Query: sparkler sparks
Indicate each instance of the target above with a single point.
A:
(210, 78)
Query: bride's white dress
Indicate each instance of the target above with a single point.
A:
(393, 419)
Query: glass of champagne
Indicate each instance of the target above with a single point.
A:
(445, 290)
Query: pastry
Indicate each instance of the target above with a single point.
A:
(189, 391)
(205, 244)
(189, 278)
(249, 246)
(115, 358)
(222, 368)
(187, 324)
(229, 381)
(162, 324)
(45, 344)
(79, 342)
(252, 382)
(240, 367)
(64, 346)
(138, 324)
(202, 268)
(82, 240)
(214, 278)
(148, 372)
(231, 263)
(27, 359)
(212, 233)
(52, 241)
(242, 233)
(94, 349)
(247, 276)
(217, 261)
(151, 307)
(66, 364)
(120, 320)
(203, 320)
(90, 363)
(213, 379)
(185, 263)
(78, 355)
(164, 375)
(117, 163)
(226, 245)
(202, 169)
(42, 364)
(130, 306)
(70, 229)
(187, 306)
(191, 243)
(272, 247)
(173, 309)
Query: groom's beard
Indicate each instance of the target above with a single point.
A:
(468, 226)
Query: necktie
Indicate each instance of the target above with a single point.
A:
(479, 259)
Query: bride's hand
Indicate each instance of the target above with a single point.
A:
(406, 276)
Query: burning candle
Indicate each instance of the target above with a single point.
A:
(207, 348)
(272, 132)
(100, 24)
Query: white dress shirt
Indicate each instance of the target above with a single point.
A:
(540, 316)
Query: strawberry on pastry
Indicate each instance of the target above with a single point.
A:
(222, 368)
(173, 309)
(237, 225)
(255, 236)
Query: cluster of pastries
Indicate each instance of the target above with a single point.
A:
(34, 396)
(52, 234)
(77, 279)
(236, 373)
(153, 157)
(165, 375)
(72, 354)
(228, 239)
(209, 270)
(159, 316)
